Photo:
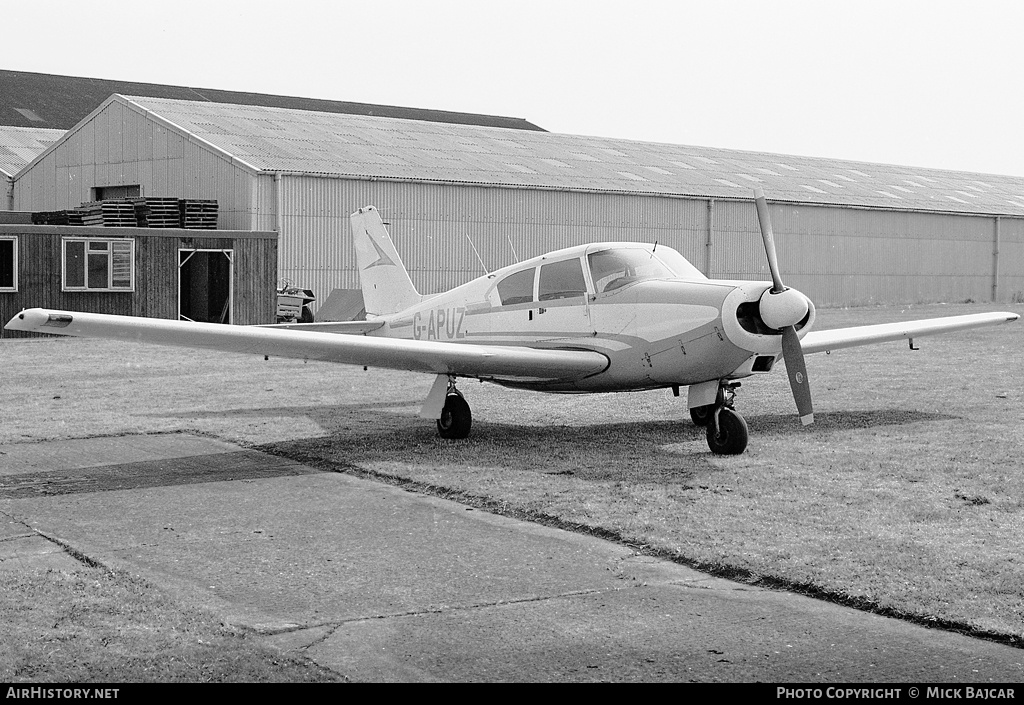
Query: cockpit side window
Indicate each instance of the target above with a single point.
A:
(611, 269)
(562, 280)
(517, 288)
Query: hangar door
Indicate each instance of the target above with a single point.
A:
(205, 279)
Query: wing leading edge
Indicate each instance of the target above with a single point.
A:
(412, 355)
(821, 341)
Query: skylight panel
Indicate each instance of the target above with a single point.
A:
(748, 177)
(1014, 203)
(900, 188)
(845, 178)
(683, 165)
(555, 162)
(859, 173)
(830, 183)
(787, 166)
(659, 170)
(925, 178)
(954, 198)
(729, 183)
(613, 152)
(585, 157)
(707, 160)
(974, 188)
(914, 183)
(969, 195)
(812, 188)
(763, 170)
(631, 175)
(982, 183)
(890, 195)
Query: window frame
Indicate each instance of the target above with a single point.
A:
(14, 262)
(109, 242)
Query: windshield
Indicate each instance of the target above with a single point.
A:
(614, 268)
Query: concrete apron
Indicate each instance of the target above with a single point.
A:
(381, 584)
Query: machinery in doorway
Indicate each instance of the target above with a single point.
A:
(293, 303)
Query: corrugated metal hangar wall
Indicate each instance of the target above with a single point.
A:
(838, 255)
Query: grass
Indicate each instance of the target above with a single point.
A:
(903, 498)
(92, 625)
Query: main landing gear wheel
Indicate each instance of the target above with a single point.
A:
(456, 418)
(727, 434)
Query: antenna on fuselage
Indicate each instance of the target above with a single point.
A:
(479, 258)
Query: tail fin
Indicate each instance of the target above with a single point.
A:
(386, 285)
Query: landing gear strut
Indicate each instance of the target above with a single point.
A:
(726, 430)
(456, 418)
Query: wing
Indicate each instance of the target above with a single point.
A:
(414, 355)
(819, 341)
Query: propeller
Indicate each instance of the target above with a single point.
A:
(782, 308)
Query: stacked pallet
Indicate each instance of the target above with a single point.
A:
(111, 213)
(199, 214)
(157, 212)
(194, 214)
(50, 218)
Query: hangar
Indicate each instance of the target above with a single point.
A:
(464, 199)
(19, 146)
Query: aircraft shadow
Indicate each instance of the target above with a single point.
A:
(362, 435)
(832, 421)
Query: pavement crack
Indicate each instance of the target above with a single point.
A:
(334, 625)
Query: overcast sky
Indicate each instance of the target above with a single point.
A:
(929, 83)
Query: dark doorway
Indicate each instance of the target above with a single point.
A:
(204, 285)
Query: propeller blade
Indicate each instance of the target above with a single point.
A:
(793, 354)
(769, 239)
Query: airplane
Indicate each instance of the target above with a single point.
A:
(600, 317)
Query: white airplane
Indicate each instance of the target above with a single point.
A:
(605, 317)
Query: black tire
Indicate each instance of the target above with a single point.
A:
(306, 316)
(731, 437)
(456, 418)
(701, 415)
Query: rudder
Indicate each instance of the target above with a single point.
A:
(385, 281)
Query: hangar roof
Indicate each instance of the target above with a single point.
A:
(267, 139)
(59, 102)
(20, 145)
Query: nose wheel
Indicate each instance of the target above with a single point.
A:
(726, 430)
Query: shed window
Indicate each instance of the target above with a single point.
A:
(562, 280)
(516, 288)
(8, 264)
(92, 264)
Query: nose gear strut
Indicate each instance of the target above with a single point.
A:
(726, 430)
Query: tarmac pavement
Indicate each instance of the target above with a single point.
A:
(381, 584)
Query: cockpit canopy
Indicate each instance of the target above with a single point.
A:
(609, 267)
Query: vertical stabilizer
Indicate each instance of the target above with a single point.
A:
(386, 285)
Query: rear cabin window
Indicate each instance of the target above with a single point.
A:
(562, 280)
(516, 288)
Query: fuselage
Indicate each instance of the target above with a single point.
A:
(656, 318)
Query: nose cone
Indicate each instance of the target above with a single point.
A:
(783, 309)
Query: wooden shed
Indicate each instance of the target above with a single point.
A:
(220, 276)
